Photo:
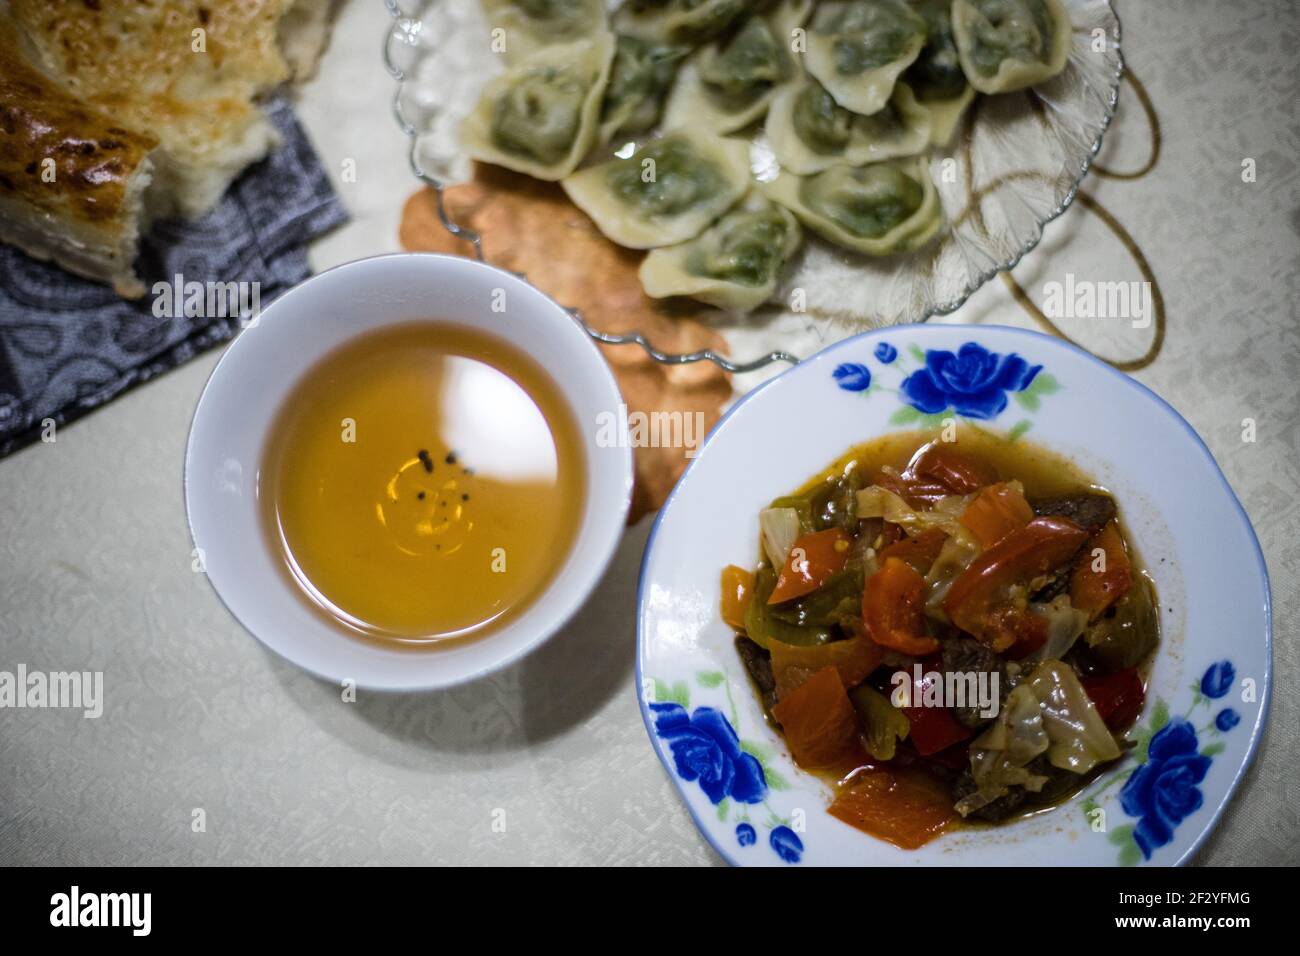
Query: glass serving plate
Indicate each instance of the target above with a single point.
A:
(1014, 165)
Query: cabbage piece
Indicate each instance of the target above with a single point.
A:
(1065, 623)
(878, 502)
(779, 528)
(1000, 755)
(954, 557)
(1079, 737)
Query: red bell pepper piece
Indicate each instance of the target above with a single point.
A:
(820, 724)
(814, 557)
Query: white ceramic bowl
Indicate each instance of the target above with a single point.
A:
(262, 366)
(1209, 687)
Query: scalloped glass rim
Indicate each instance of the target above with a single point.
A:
(1015, 165)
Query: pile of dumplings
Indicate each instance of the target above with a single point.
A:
(851, 95)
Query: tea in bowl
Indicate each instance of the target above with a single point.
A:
(393, 477)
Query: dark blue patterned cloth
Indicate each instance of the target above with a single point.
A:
(68, 345)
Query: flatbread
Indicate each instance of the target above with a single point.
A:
(183, 76)
(71, 178)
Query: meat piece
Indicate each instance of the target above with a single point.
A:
(999, 809)
(759, 664)
(965, 656)
(1018, 799)
(1089, 510)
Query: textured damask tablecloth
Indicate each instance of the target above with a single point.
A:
(95, 567)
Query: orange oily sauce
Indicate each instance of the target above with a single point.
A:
(423, 483)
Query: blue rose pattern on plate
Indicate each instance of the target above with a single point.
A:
(1163, 789)
(852, 377)
(734, 774)
(970, 383)
(705, 748)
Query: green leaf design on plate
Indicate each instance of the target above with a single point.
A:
(757, 751)
(710, 678)
(915, 351)
(678, 693)
(1028, 400)
(905, 416)
(1214, 749)
(723, 809)
(1044, 383)
(1121, 835)
(1019, 428)
(774, 779)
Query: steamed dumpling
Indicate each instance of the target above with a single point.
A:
(858, 48)
(666, 192)
(880, 209)
(734, 264)
(936, 77)
(680, 21)
(1008, 45)
(540, 116)
(529, 25)
(639, 80)
(810, 132)
(728, 84)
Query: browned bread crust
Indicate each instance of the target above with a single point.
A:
(70, 176)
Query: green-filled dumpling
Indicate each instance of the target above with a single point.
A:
(540, 117)
(666, 192)
(640, 78)
(857, 49)
(810, 132)
(1008, 45)
(881, 209)
(734, 264)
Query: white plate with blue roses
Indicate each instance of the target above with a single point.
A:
(1209, 684)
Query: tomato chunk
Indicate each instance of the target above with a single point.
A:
(814, 557)
(819, 721)
(957, 471)
(854, 659)
(919, 552)
(737, 592)
(1118, 697)
(1103, 573)
(892, 602)
(907, 808)
(995, 512)
(979, 598)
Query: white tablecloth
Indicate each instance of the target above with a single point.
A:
(95, 565)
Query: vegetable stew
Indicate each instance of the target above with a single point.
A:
(951, 632)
